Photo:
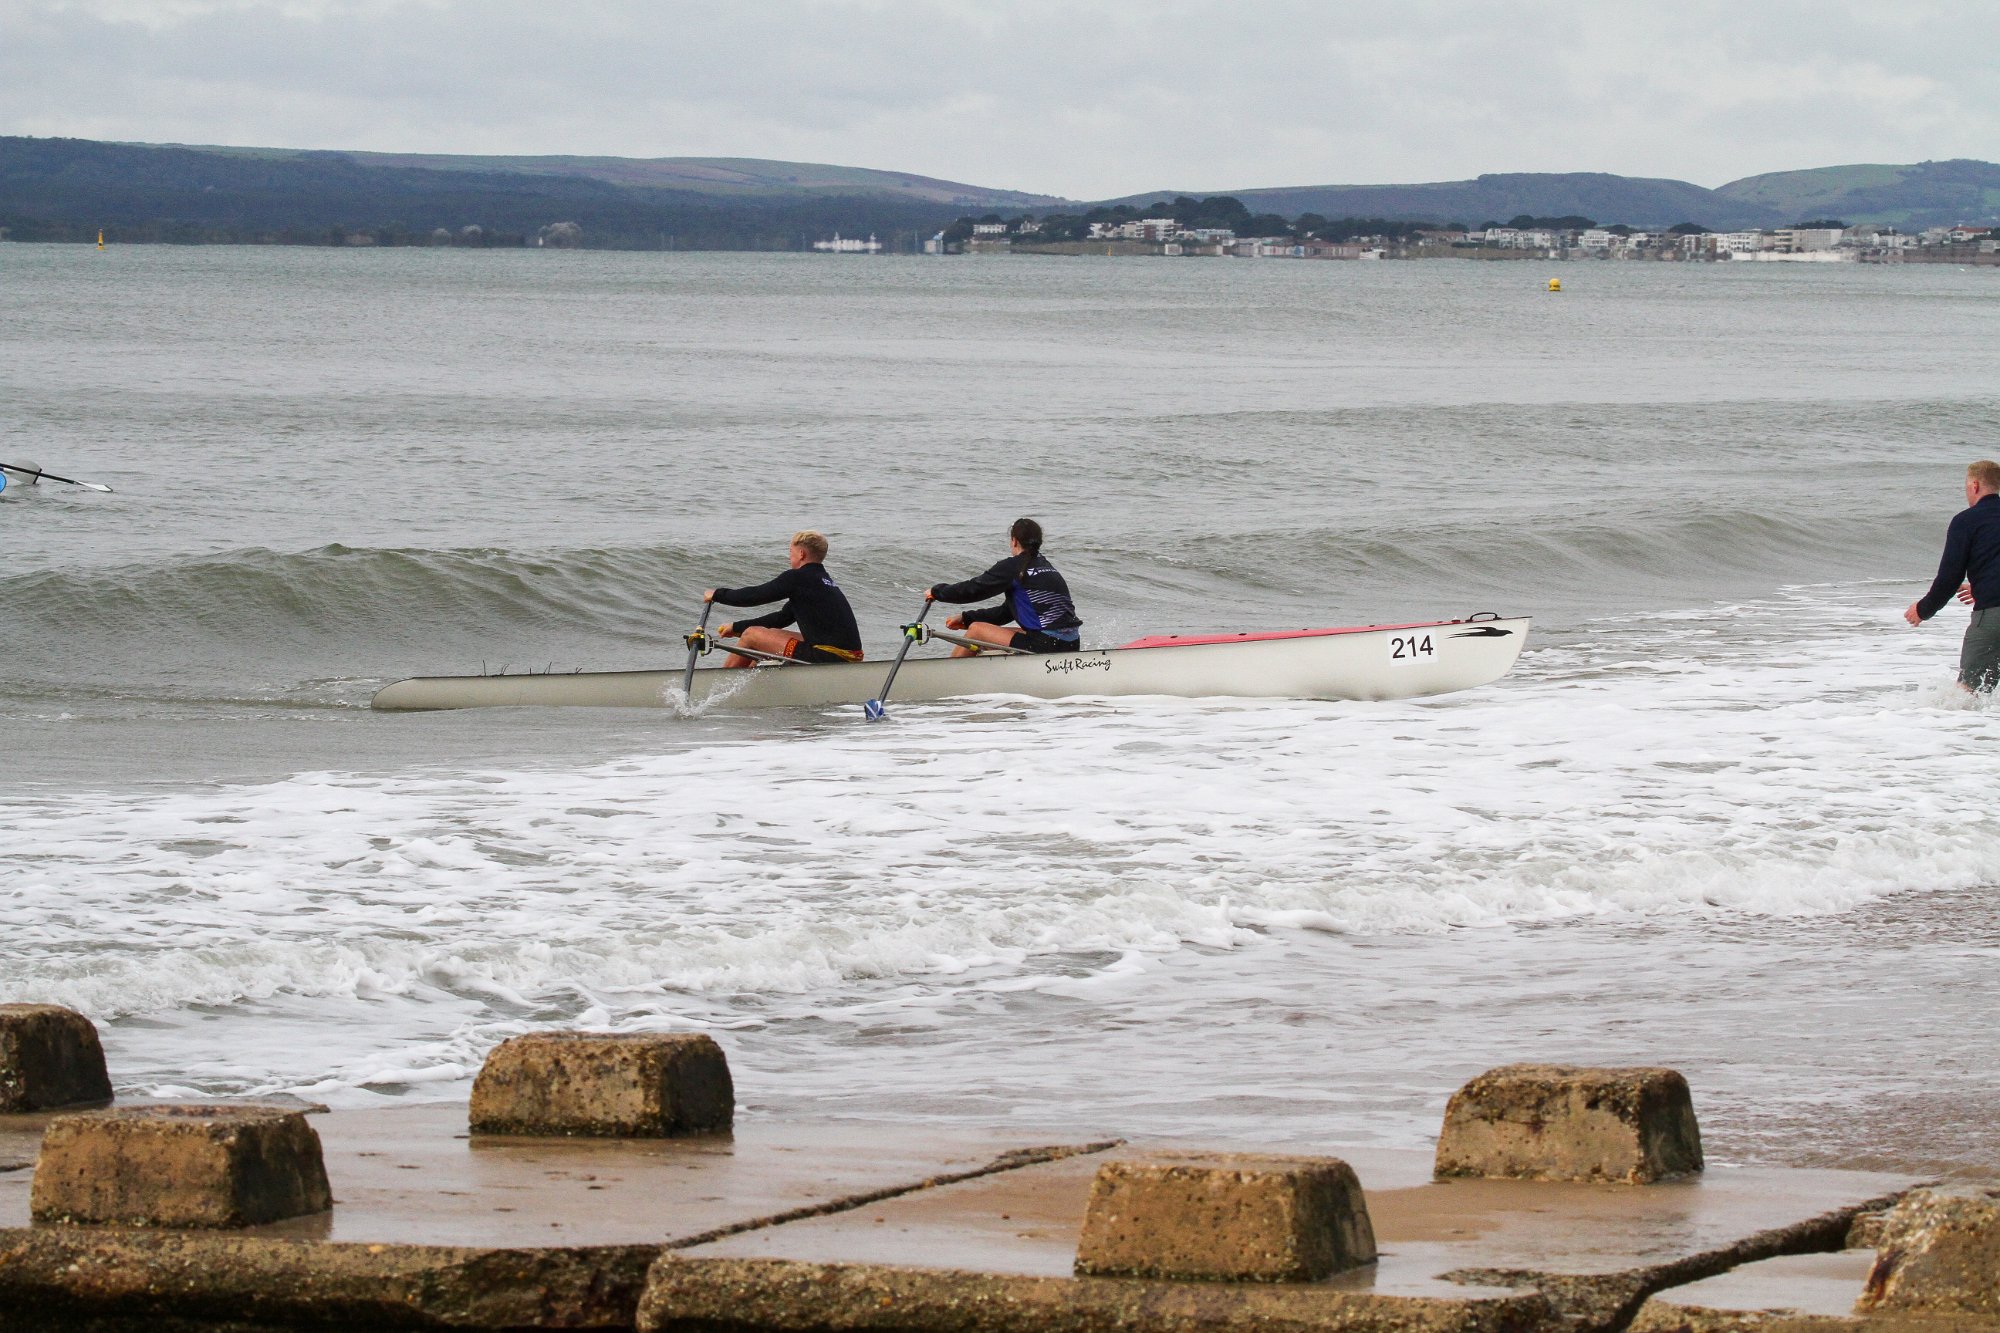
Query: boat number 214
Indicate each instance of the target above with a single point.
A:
(1410, 647)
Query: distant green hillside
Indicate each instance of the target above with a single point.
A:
(741, 176)
(1927, 194)
(1634, 200)
(66, 189)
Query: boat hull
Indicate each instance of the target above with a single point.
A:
(1401, 662)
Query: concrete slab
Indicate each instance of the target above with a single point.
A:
(1027, 1222)
(412, 1175)
(779, 1296)
(120, 1280)
(1598, 1229)
(950, 1220)
(1809, 1284)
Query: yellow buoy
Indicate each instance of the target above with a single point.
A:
(1555, 284)
(100, 238)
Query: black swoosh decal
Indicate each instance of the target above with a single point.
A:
(1488, 633)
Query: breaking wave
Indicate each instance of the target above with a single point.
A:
(362, 613)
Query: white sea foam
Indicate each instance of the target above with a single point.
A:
(337, 933)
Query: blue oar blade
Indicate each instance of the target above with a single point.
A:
(874, 710)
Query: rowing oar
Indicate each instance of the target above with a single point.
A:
(37, 472)
(696, 642)
(912, 633)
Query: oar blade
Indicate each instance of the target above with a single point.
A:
(26, 470)
(874, 710)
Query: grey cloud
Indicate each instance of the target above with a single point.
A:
(1085, 100)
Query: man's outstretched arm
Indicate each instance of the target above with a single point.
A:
(1951, 571)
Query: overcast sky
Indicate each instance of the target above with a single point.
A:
(1087, 98)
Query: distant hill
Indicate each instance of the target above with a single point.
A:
(65, 189)
(729, 176)
(1629, 199)
(1927, 194)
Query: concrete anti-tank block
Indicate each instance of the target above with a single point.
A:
(1560, 1122)
(1232, 1217)
(190, 1165)
(636, 1085)
(49, 1056)
(1938, 1252)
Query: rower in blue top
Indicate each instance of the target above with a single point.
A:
(1037, 600)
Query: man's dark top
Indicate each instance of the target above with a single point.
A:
(1037, 598)
(1971, 550)
(812, 599)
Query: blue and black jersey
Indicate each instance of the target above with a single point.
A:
(812, 599)
(1037, 598)
(1971, 551)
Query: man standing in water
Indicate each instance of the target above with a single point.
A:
(1972, 552)
(826, 632)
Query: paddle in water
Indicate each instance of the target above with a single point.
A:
(912, 633)
(38, 474)
(697, 643)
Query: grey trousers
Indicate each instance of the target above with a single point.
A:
(1979, 656)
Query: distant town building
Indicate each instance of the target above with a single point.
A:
(1155, 230)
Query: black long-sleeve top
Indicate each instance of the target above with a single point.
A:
(1971, 550)
(812, 599)
(1037, 596)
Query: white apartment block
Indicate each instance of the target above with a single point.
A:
(1145, 229)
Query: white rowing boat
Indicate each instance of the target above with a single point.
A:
(1365, 662)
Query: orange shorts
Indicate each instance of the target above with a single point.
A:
(818, 653)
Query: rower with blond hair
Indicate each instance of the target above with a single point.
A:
(812, 600)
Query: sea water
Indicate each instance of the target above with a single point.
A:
(1729, 813)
